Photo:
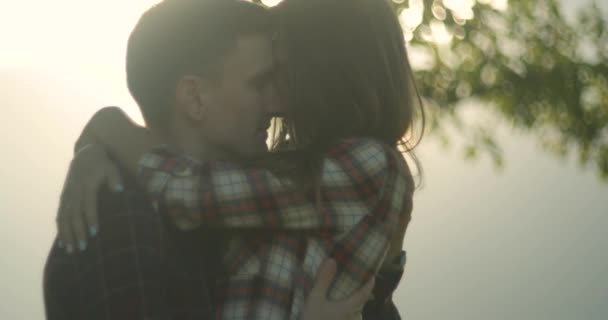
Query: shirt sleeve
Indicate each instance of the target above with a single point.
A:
(363, 191)
(354, 178)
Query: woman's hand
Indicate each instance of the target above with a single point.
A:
(124, 140)
(90, 169)
(318, 306)
(109, 130)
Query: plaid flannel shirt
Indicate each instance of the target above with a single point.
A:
(364, 190)
(138, 267)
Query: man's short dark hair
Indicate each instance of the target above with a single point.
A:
(177, 37)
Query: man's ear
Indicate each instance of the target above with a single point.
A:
(193, 96)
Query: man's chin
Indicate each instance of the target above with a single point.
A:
(253, 151)
(258, 151)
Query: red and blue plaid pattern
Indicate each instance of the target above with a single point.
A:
(365, 187)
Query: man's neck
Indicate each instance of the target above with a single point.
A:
(190, 143)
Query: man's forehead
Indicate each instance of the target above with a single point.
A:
(251, 55)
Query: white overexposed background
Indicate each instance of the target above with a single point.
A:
(526, 242)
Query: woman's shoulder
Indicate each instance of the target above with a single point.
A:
(371, 155)
(359, 146)
(366, 149)
(367, 154)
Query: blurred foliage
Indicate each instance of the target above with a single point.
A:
(540, 71)
(523, 59)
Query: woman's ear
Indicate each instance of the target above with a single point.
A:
(193, 96)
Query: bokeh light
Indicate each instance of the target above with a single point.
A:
(462, 9)
(271, 3)
(411, 17)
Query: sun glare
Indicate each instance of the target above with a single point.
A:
(463, 9)
(411, 17)
(271, 3)
(440, 33)
(66, 32)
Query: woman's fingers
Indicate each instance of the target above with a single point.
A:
(357, 300)
(64, 226)
(77, 216)
(113, 178)
(325, 274)
(90, 210)
(78, 226)
(63, 219)
(66, 239)
(319, 307)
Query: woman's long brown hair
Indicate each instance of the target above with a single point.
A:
(347, 74)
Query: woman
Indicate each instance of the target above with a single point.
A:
(336, 184)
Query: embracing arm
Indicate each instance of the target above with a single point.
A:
(363, 194)
(354, 184)
(91, 169)
(88, 136)
(124, 140)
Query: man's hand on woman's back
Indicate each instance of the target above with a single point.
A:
(319, 307)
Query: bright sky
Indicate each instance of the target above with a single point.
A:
(525, 243)
(92, 35)
(66, 32)
(86, 33)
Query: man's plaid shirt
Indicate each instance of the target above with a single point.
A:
(365, 188)
(137, 268)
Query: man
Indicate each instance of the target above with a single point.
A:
(138, 267)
